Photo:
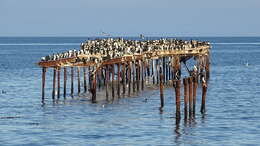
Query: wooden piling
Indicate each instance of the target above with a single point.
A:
(54, 83)
(142, 67)
(186, 99)
(153, 72)
(107, 80)
(78, 69)
(85, 79)
(58, 70)
(157, 71)
(43, 82)
(164, 69)
(190, 96)
(195, 85)
(207, 68)
(64, 82)
(138, 75)
(113, 77)
(129, 78)
(161, 89)
(118, 80)
(203, 101)
(124, 77)
(72, 82)
(134, 76)
(94, 87)
(178, 99)
(99, 78)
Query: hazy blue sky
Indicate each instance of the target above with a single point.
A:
(130, 17)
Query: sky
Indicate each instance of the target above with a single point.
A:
(130, 17)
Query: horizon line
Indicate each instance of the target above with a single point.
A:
(126, 36)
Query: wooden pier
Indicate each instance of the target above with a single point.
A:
(127, 71)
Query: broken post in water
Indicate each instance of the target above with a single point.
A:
(130, 65)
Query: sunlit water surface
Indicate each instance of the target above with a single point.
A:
(232, 117)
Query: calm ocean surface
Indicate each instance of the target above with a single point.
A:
(233, 102)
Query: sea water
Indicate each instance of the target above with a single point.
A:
(232, 104)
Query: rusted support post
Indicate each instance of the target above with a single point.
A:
(161, 89)
(203, 101)
(166, 70)
(134, 76)
(43, 82)
(123, 78)
(169, 69)
(157, 71)
(177, 68)
(178, 99)
(94, 87)
(58, 70)
(195, 85)
(207, 68)
(148, 72)
(186, 99)
(129, 77)
(153, 72)
(142, 66)
(78, 69)
(64, 82)
(138, 75)
(118, 79)
(107, 81)
(113, 77)
(190, 96)
(85, 79)
(72, 82)
(54, 83)
(99, 78)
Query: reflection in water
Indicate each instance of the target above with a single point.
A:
(177, 130)
(188, 123)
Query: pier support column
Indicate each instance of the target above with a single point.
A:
(107, 81)
(118, 79)
(43, 82)
(186, 99)
(58, 70)
(161, 89)
(54, 83)
(142, 67)
(138, 74)
(177, 67)
(178, 99)
(129, 77)
(164, 69)
(134, 76)
(64, 82)
(93, 87)
(157, 71)
(153, 71)
(72, 81)
(207, 68)
(85, 79)
(124, 77)
(203, 101)
(190, 96)
(78, 70)
(113, 77)
(195, 85)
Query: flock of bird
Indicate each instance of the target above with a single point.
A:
(112, 48)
